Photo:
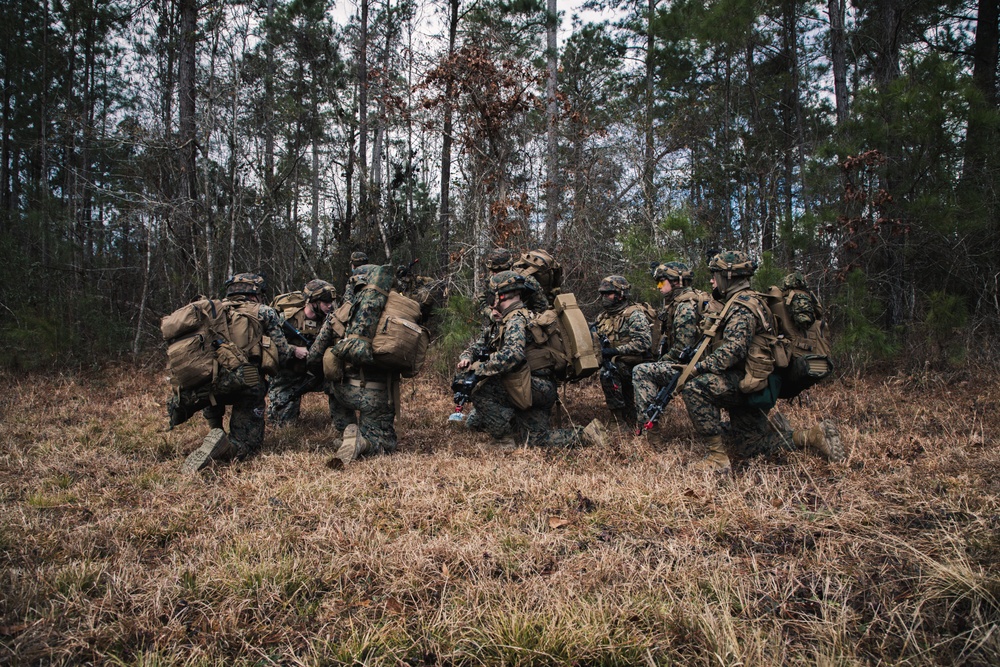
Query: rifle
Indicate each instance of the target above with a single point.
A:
(464, 384)
(654, 410)
(403, 272)
(663, 397)
(609, 369)
(290, 329)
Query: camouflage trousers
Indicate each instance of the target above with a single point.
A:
(284, 398)
(619, 393)
(494, 413)
(377, 413)
(750, 433)
(647, 380)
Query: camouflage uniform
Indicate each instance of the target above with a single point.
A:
(506, 342)
(802, 303)
(681, 330)
(533, 296)
(630, 340)
(370, 391)
(295, 379)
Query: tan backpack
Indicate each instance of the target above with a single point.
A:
(562, 341)
(208, 335)
(808, 351)
(400, 343)
(543, 266)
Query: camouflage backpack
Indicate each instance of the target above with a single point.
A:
(210, 335)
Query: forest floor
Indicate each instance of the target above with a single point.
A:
(454, 552)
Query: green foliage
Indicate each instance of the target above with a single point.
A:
(860, 339)
(460, 322)
(768, 273)
(946, 316)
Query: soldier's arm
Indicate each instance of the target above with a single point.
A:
(736, 337)
(324, 339)
(471, 352)
(685, 328)
(271, 321)
(639, 333)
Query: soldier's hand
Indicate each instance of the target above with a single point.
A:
(300, 352)
(463, 364)
(609, 352)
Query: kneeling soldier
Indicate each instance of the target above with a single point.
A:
(626, 340)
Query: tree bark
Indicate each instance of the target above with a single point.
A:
(838, 58)
(446, 141)
(552, 181)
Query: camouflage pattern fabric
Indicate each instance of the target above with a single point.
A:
(681, 324)
(533, 297)
(494, 414)
(647, 380)
(341, 413)
(629, 332)
(716, 386)
(294, 379)
(246, 422)
(802, 308)
(375, 406)
(493, 411)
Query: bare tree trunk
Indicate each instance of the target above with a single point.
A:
(838, 58)
(363, 121)
(649, 165)
(552, 182)
(979, 144)
(186, 93)
(446, 141)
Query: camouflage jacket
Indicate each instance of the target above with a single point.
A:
(505, 341)
(730, 346)
(681, 319)
(325, 338)
(628, 330)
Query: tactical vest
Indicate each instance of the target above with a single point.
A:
(760, 359)
(517, 383)
(808, 350)
(610, 325)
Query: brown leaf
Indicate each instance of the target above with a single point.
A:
(690, 493)
(777, 503)
(557, 522)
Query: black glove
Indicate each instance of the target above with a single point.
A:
(609, 352)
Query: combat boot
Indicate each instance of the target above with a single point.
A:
(717, 459)
(350, 448)
(823, 438)
(594, 434)
(216, 446)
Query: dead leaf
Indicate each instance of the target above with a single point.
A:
(557, 522)
(777, 503)
(393, 605)
(690, 493)
(445, 572)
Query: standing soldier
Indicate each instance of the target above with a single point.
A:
(626, 340)
(716, 378)
(358, 259)
(534, 299)
(511, 400)
(301, 323)
(244, 291)
(681, 318)
(370, 391)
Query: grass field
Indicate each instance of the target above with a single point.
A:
(451, 552)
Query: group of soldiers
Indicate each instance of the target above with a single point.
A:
(513, 400)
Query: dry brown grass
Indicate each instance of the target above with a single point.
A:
(451, 552)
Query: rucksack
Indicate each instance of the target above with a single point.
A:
(562, 341)
(543, 266)
(400, 343)
(210, 335)
(288, 304)
(808, 351)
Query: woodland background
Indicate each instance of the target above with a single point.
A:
(150, 148)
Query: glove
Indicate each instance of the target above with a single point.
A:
(609, 352)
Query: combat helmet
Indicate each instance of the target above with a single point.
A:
(505, 282)
(319, 290)
(734, 263)
(246, 283)
(358, 258)
(794, 281)
(615, 285)
(499, 259)
(675, 272)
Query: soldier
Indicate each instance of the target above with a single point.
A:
(512, 401)
(246, 424)
(358, 259)
(681, 318)
(626, 340)
(369, 391)
(302, 323)
(716, 378)
(501, 259)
